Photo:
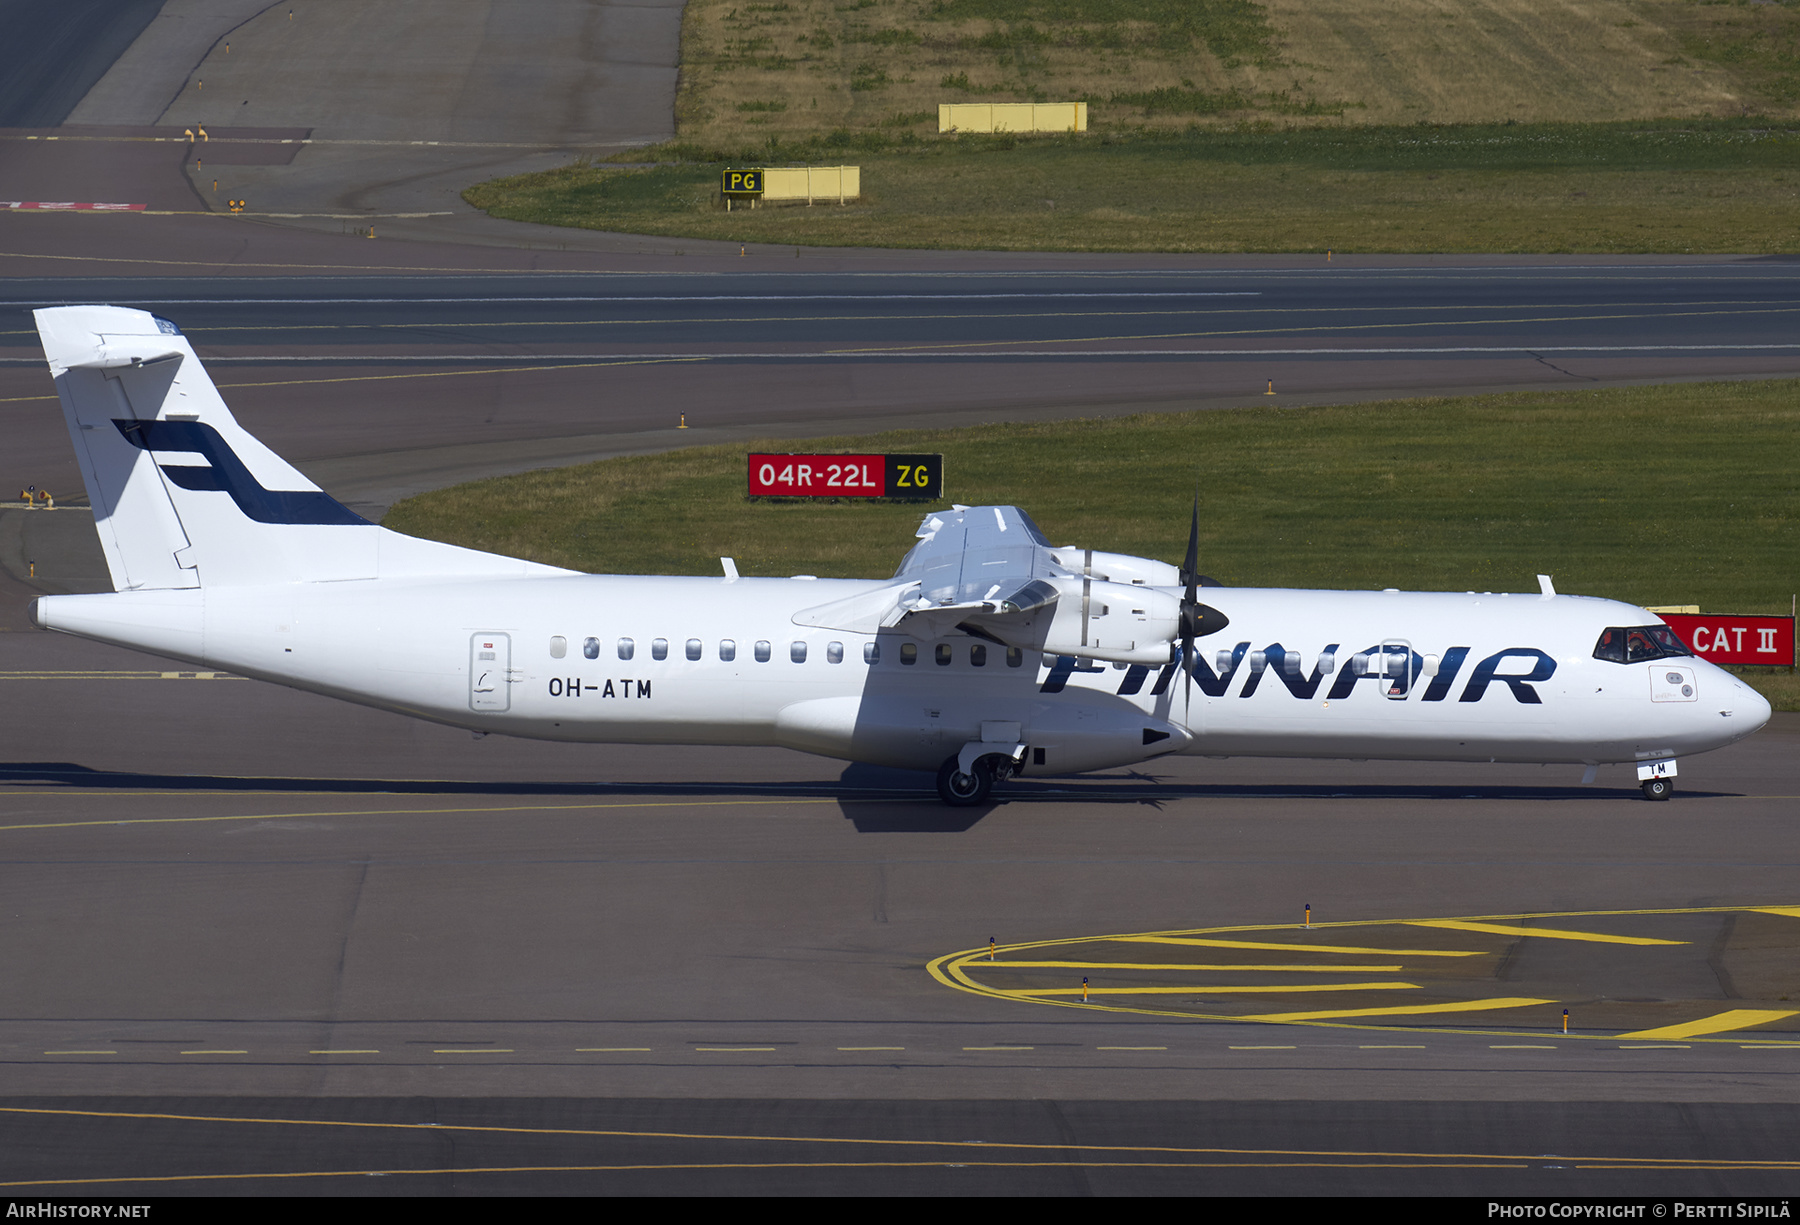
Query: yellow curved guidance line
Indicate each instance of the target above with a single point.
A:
(1301, 974)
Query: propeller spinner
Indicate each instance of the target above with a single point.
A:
(1197, 619)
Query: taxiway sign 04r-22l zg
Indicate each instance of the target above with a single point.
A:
(991, 652)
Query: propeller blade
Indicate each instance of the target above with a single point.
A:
(1190, 566)
(1190, 577)
(1187, 685)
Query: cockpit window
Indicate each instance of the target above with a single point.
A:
(1638, 643)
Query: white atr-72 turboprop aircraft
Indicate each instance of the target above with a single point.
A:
(991, 652)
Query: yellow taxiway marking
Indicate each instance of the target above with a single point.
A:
(474, 1050)
(973, 314)
(1131, 1048)
(81, 1052)
(1718, 1023)
(871, 1048)
(1314, 328)
(1415, 1010)
(962, 970)
(1263, 1048)
(734, 1048)
(415, 812)
(453, 374)
(215, 1052)
(999, 1048)
(1159, 965)
(346, 1052)
(1658, 1046)
(612, 1050)
(1219, 1157)
(205, 263)
(1520, 1046)
(434, 374)
(46, 674)
(1546, 933)
(1391, 1047)
(1296, 948)
(1210, 989)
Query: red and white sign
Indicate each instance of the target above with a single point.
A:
(1722, 638)
(66, 205)
(830, 476)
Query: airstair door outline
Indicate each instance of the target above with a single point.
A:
(1396, 664)
(490, 672)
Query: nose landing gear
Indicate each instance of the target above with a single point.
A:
(1657, 778)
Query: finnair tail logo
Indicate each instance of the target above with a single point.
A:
(228, 475)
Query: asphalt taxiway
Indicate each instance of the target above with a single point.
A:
(276, 939)
(389, 383)
(258, 941)
(245, 921)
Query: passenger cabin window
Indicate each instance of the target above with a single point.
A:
(659, 648)
(978, 655)
(727, 650)
(909, 653)
(943, 653)
(590, 648)
(871, 652)
(762, 651)
(1638, 644)
(693, 648)
(797, 652)
(1015, 657)
(559, 646)
(627, 648)
(834, 652)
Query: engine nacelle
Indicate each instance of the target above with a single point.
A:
(1118, 567)
(1112, 621)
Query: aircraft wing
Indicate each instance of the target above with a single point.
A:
(989, 572)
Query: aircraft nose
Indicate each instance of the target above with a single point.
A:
(1753, 708)
(1746, 709)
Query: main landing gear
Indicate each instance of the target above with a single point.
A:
(960, 790)
(1658, 788)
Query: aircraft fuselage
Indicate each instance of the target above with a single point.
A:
(654, 660)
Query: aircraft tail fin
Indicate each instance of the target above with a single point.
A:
(182, 494)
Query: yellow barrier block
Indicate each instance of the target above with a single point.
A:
(813, 184)
(1012, 117)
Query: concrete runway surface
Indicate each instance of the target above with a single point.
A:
(264, 943)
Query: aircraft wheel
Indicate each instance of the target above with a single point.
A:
(961, 790)
(1658, 789)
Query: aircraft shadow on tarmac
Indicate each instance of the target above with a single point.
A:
(877, 800)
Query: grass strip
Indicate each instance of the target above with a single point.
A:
(1703, 186)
